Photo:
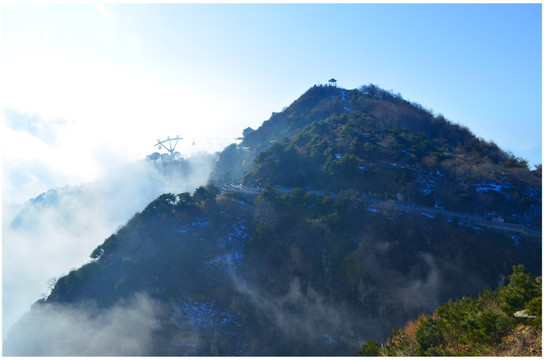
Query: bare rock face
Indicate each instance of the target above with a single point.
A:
(523, 314)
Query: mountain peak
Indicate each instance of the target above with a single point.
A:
(373, 140)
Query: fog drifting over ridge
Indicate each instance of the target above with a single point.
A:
(68, 330)
(56, 231)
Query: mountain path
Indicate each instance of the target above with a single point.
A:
(462, 218)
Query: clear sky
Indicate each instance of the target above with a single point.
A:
(86, 87)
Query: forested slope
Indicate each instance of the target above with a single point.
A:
(315, 270)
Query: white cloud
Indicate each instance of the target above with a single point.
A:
(80, 118)
(109, 112)
(102, 9)
(68, 330)
(44, 239)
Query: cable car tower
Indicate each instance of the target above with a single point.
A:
(168, 144)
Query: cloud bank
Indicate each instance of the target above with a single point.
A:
(33, 124)
(57, 230)
(83, 330)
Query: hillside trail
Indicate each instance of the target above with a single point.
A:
(464, 219)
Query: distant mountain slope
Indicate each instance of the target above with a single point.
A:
(120, 193)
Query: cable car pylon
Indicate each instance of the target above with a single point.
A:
(168, 144)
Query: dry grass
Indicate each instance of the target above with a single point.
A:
(410, 328)
(525, 341)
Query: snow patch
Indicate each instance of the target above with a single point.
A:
(233, 242)
(515, 240)
(229, 261)
(330, 339)
(203, 315)
(427, 180)
(196, 315)
(200, 223)
(487, 187)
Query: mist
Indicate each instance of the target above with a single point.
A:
(49, 235)
(312, 323)
(82, 330)
(307, 320)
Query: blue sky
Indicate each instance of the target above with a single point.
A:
(104, 81)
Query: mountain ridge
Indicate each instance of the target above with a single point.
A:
(379, 143)
(303, 272)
